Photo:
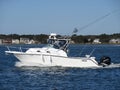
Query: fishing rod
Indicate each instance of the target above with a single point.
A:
(93, 22)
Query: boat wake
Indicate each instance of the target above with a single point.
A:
(113, 66)
(19, 64)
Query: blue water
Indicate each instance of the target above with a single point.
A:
(58, 78)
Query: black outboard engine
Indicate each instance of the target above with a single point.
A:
(105, 61)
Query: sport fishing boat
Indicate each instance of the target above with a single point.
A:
(55, 54)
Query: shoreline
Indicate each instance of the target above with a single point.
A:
(70, 44)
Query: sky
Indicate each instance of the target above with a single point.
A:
(59, 16)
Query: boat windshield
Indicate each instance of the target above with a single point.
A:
(58, 43)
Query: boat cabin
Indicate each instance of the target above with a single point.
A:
(58, 43)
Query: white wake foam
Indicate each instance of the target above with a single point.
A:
(20, 64)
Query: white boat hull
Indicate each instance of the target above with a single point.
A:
(51, 60)
(55, 54)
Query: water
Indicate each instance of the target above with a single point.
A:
(58, 78)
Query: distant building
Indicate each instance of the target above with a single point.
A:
(15, 41)
(31, 42)
(0, 41)
(115, 41)
(96, 41)
(118, 40)
(72, 42)
(112, 41)
(24, 40)
(7, 41)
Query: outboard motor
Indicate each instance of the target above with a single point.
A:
(104, 61)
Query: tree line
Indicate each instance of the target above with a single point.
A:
(104, 38)
(42, 38)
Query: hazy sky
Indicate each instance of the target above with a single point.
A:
(59, 16)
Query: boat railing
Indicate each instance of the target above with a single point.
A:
(20, 49)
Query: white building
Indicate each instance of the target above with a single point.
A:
(31, 42)
(24, 40)
(0, 41)
(15, 41)
(96, 41)
(115, 41)
(118, 40)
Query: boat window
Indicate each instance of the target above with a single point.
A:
(51, 41)
(62, 43)
(48, 51)
(38, 50)
(56, 46)
(57, 43)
